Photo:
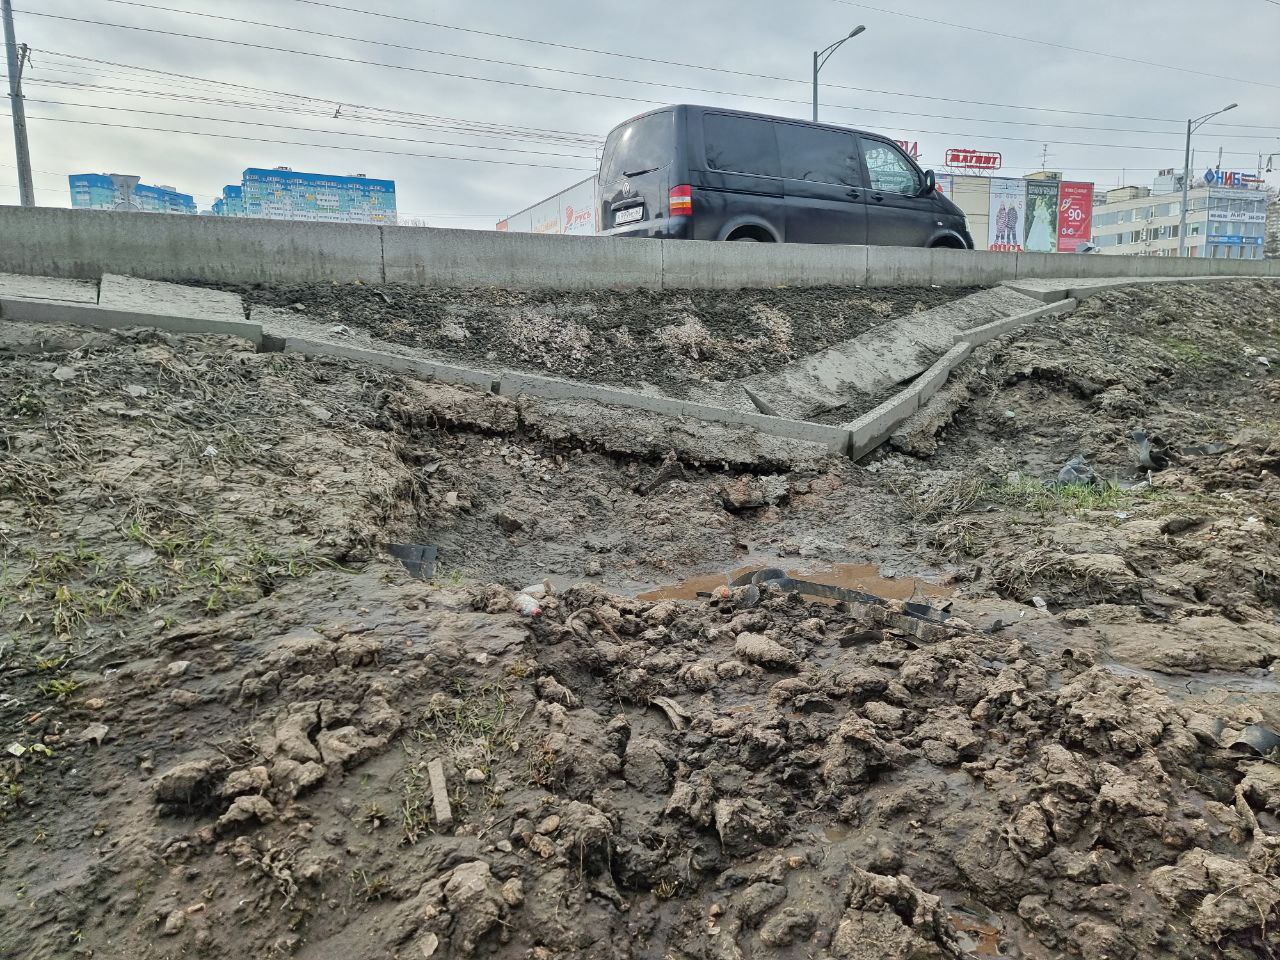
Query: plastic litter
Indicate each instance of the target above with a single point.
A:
(527, 606)
(1261, 740)
(418, 558)
(1149, 451)
(1077, 472)
(1039, 604)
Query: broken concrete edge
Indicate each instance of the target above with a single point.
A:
(105, 318)
(1075, 290)
(975, 336)
(835, 439)
(873, 428)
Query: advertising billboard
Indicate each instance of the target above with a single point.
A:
(571, 211)
(1075, 216)
(578, 209)
(1008, 208)
(1040, 223)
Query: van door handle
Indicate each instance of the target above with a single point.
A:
(855, 195)
(877, 197)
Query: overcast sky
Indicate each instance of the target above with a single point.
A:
(897, 55)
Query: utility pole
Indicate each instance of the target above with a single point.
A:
(26, 190)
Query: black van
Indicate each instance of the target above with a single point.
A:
(703, 173)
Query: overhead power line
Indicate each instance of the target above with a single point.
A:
(281, 126)
(476, 125)
(241, 104)
(1050, 43)
(423, 70)
(634, 57)
(294, 143)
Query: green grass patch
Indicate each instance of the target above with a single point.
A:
(1027, 493)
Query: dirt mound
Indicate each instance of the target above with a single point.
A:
(234, 726)
(673, 339)
(637, 779)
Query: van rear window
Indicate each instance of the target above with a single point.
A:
(740, 144)
(648, 143)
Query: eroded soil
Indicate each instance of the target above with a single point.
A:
(672, 339)
(221, 700)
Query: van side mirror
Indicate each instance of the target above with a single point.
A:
(930, 183)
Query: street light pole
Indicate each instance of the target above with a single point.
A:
(820, 58)
(1192, 127)
(26, 190)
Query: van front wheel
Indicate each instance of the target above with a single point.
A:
(745, 240)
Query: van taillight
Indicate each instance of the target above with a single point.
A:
(681, 201)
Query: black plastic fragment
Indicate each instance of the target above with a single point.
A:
(418, 558)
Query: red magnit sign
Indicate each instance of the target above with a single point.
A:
(974, 159)
(1075, 215)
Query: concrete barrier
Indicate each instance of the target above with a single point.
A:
(701, 264)
(477, 258)
(92, 315)
(88, 243)
(836, 439)
(912, 266)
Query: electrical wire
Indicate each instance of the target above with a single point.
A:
(677, 63)
(246, 105)
(243, 43)
(309, 53)
(294, 143)
(1049, 43)
(496, 127)
(647, 59)
(281, 126)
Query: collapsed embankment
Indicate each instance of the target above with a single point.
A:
(224, 701)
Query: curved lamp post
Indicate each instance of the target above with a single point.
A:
(820, 58)
(1192, 127)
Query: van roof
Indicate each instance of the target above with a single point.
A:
(750, 113)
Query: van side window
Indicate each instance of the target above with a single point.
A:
(740, 144)
(824, 156)
(889, 168)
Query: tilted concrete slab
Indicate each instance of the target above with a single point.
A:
(103, 318)
(170, 299)
(998, 328)
(834, 438)
(16, 286)
(890, 353)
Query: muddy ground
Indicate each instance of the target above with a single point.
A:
(221, 700)
(676, 340)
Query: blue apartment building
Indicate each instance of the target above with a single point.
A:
(97, 191)
(281, 193)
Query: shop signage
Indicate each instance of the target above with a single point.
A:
(974, 159)
(1232, 178)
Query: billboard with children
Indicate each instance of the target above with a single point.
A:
(1008, 207)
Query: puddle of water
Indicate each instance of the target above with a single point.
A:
(865, 577)
(978, 938)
